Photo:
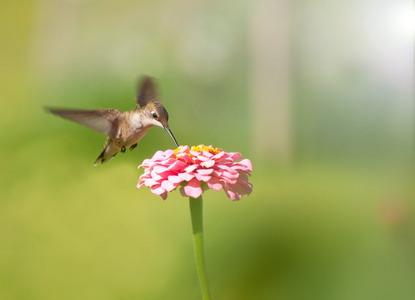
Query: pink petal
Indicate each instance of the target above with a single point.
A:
(160, 169)
(243, 187)
(207, 154)
(158, 190)
(226, 167)
(217, 173)
(236, 191)
(175, 179)
(208, 164)
(150, 182)
(168, 185)
(247, 163)
(183, 149)
(229, 181)
(231, 194)
(201, 177)
(191, 168)
(186, 176)
(218, 156)
(235, 156)
(229, 175)
(244, 177)
(194, 153)
(201, 157)
(155, 176)
(177, 165)
(205, 171)
(184, 158)
(164, 195)
(193, 189)
(215, 184)
(158, 154)
(167, 162)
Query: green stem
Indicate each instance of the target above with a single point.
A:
(196, 212)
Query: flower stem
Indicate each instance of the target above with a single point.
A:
(196, 212)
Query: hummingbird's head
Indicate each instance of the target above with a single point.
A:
(152, 111)
(156, 115)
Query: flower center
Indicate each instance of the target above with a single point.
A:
(209, 149)
(199, 148)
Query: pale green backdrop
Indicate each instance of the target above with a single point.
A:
(318, 94)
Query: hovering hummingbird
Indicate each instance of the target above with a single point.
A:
(124, 129)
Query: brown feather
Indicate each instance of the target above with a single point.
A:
(147, 92)
(104, 121)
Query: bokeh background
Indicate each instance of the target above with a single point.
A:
(318, 94)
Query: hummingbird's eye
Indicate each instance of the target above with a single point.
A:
(154, 115)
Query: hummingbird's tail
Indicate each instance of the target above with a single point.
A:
(107, 153)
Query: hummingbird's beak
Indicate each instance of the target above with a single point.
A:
(171, 135)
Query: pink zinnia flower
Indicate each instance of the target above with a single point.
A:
(196, 170)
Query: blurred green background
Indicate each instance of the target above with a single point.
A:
(318, 94)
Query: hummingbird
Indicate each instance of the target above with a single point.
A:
(123, 128)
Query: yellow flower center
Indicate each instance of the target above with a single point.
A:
(199, 149)
(209, 149)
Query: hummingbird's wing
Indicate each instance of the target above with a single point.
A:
(147, 92)
(104, 121)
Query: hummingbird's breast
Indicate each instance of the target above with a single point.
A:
(133, 131)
